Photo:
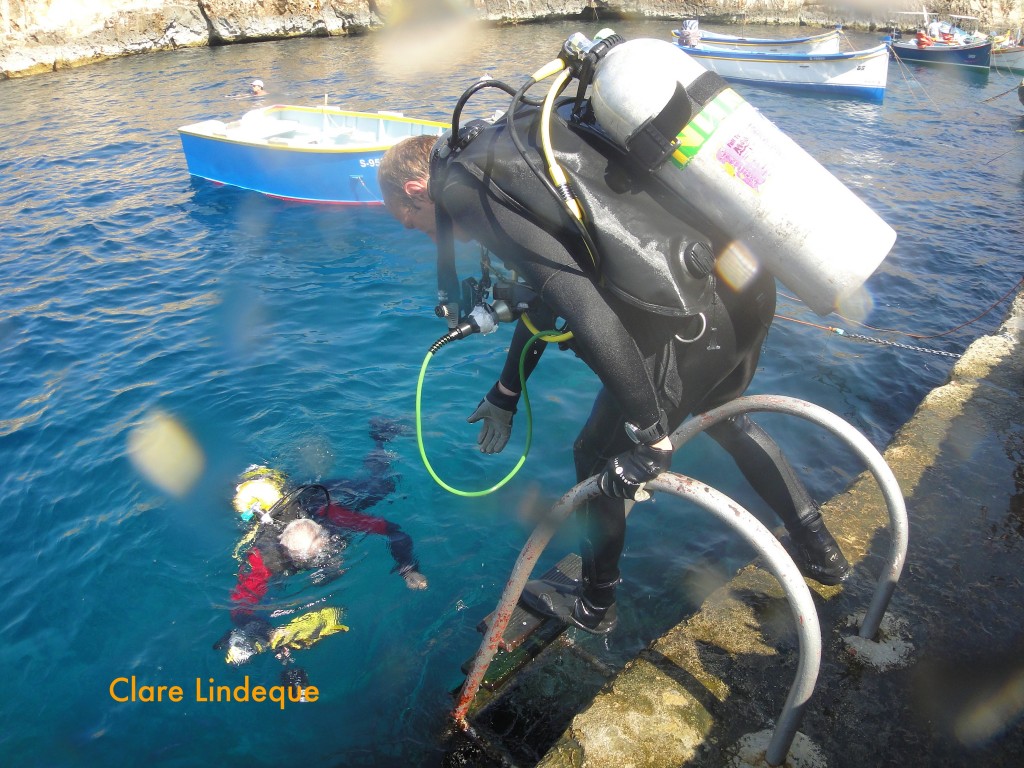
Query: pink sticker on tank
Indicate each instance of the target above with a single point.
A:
(740, 161)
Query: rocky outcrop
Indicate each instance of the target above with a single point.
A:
(43, 35)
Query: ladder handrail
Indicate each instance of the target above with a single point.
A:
(890, 488)
(728, 511)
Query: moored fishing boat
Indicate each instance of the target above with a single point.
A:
(861, 74)
(951, 45)
(973, 55)
(1008, 53)
(314, 154)
(827, 42)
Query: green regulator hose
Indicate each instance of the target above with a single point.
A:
(550, 336)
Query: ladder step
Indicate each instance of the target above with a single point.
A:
(567, 572)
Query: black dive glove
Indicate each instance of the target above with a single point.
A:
(242, 643)
(496, 410)
(626, 473)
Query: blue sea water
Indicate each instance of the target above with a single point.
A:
(272, 331)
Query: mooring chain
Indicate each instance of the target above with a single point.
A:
(841, 332)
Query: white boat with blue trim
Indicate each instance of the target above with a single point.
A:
(857, 74)
(827, 42)
(1008, 52)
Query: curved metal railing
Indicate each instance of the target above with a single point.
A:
(778, 561)
(854, 439)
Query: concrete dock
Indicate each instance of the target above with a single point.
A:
(944, 686)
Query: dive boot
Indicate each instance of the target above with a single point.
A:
(570, 606)
(816, 553)
(384, 430)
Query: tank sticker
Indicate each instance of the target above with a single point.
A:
(738, 161)
(696, 132)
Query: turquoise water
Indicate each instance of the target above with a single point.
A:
(272, 331)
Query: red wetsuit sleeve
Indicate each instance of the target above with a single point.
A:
(253, 579)
(354, 521)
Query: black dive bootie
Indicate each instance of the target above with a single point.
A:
(592, 610)
(816, 553)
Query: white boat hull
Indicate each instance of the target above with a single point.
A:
(857, 73)
(1008, 59)
(824, 43)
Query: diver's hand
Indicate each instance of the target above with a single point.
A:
(496, 410)
(414, 579)
(625, 475)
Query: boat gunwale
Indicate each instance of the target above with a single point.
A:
(753, 41)
(336, 149)
(787, 58)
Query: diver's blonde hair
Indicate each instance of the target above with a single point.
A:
(304, 540)
(407, 160)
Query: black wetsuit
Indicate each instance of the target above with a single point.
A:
(648, 372)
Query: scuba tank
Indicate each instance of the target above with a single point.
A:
(780, 207)
(653, 151)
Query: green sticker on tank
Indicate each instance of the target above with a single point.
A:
(696, 132)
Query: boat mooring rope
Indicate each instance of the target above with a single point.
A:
(874, 340)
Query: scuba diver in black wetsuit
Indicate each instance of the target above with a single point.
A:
(665, 342)
(305, 529)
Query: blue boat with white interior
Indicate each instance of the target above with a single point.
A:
(312, 154)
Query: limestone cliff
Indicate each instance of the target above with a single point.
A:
(43, 35)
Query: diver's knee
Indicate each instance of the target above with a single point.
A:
(731, 429)
(585, 457)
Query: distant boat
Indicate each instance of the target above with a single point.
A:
(954, 47)
(312, 154)
(861, 74)
(827, 42)
(1007, 53)
(973, 55)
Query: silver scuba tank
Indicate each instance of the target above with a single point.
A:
(783, 211)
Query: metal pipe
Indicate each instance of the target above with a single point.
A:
(521, 571)
(800, 602)
(728, 511)
(777, 559)
(876, 464)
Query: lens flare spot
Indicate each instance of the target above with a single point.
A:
(857, 305)
(737, 266)
(165, 453)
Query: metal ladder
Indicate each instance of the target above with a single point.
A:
(725, 509)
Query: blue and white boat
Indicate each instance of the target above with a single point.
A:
(827, 42)
(858, 74)
(954, 45)
(312, 154)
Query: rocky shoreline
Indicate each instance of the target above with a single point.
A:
(46, 35)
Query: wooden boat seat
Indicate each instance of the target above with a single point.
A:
(266, 129)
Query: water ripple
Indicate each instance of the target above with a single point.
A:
(272, 331)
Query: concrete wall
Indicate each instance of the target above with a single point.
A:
(43, 35)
